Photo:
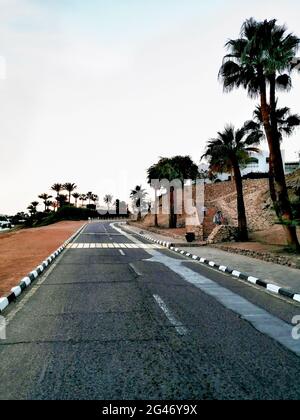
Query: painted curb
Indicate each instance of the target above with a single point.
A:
(34, 274)
(273, 288)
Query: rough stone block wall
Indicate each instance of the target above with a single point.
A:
(260, 215)
(223, 233)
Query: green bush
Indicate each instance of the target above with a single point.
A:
(67, 213)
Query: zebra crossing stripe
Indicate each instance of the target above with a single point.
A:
(113, 245)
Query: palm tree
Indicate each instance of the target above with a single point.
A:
(76, 196)
(33, 207)
(45, 197)
(108, 200)
(89, 197)
(52, 204)
(69, 187)
(82, 198)
(48, 204)
(138, 195)
(228, 151)
(286, 121)
(257, 61)
(62, 200)
(95, 198)
(286, 125)
(176, 168)
(58, 188)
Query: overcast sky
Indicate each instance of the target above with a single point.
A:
(97, 90)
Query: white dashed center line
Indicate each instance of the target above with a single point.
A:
(122, 252)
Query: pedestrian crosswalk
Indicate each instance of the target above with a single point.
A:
(112, 246)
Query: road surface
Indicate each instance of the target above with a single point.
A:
(116, 317)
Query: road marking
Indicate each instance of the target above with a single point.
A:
(135, 270)
(113, 245)
(122, 252)
(179, 327)
(259, 318)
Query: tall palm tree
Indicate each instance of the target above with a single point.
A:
(176, 168)
(229, 150)
(76, 196)
(69, 187)
(48, 204)
(108, 200)
(286, 125)
(138, 196)
(95, 198)
(52, 204)
(45, 197)
(57, 188)
(82, 198)
(62, 200)
(286, 121)
(89, 196)
(33, 207)
(259, 60)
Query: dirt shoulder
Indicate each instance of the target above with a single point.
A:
(23, 250)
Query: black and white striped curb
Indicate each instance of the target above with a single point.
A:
(235, 273)
(33, 275)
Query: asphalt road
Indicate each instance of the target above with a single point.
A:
(117, 321)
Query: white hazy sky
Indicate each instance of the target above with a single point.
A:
(97, 90)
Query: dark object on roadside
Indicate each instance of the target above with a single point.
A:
(190, 237)
(256, 175)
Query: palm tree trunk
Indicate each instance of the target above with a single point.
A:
(241, 211)
(172, 216)
(283, 205)
(156, 208)
(271, 180)
(57, 200)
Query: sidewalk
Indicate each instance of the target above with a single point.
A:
(282, 276)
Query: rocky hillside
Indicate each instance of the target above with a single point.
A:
(262, 220)
(260, 215)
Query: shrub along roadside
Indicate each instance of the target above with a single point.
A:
(66, 213)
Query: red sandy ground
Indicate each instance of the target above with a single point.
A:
(23, 250)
